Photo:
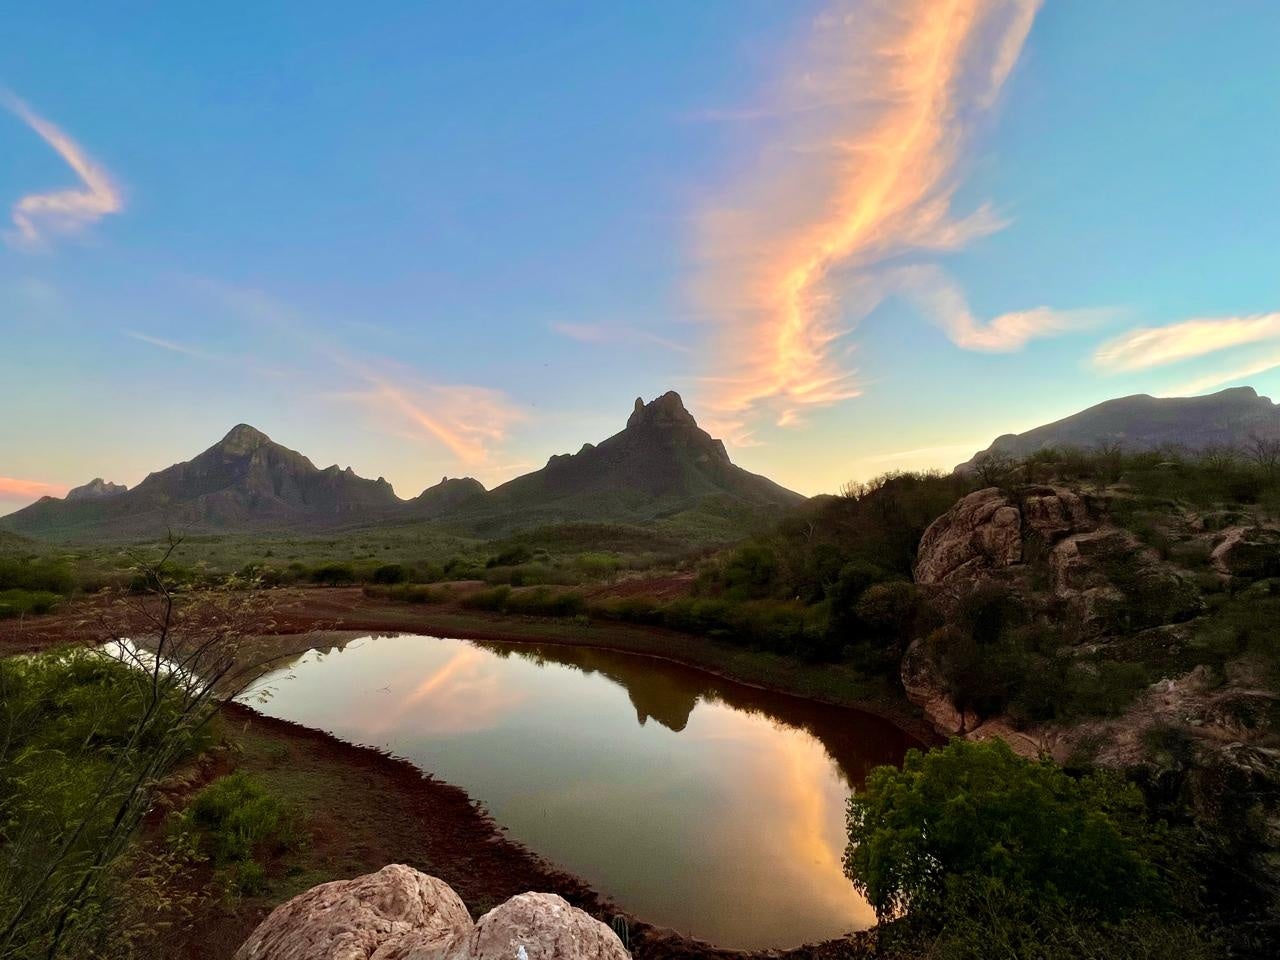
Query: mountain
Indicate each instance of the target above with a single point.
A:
(446, 497)
(245, 481)
(661, 463)
(1141, 422)
(96, 489)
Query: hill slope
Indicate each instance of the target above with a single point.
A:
(1141, 422)
(660, 464)
(245, 481)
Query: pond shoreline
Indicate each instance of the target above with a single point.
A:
(448, 835)
(410, 816)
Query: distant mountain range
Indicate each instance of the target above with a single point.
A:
(660, 464)
(1141, 422)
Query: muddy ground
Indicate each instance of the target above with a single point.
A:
(362, 809)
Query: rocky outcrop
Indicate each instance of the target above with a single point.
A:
(925, 687)
(96, 489)
(1248, 552)
(1062, 559)
(981, 533)
(537, 926)
(394, 913)
(400, 913)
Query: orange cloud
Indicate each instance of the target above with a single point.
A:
(62, 211)
(471, 422)
(1156, 346)
(861, 167)
(942, 300)
(12, 488)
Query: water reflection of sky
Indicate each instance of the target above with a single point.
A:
(696, 803)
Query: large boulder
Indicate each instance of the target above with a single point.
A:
(1113, 583)
(1247, 552)
(399, 913)
(982, 532)
(538, 926)
(389, 915)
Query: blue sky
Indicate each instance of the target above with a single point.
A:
(448, 239)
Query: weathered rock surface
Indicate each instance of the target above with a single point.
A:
(1060, 557)
(400, 913)
(538, 926)
(96, 489)
(1249, 552)
(389, 915)
(924, 687)
(982, 532)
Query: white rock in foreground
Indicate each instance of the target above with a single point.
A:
(400, 913)
(538, 926)
(372, 917)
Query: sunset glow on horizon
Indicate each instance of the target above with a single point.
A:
(855, 235)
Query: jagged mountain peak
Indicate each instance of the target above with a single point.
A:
(667, 410)
(242, 439)
(96, 489)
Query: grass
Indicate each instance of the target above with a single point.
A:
(232, 822)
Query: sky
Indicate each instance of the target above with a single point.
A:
(445, 239)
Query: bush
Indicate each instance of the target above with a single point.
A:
(17, 603)
(236, 816)
(334, 574)
(36, 575)
(390, 573)
(494, 601)
(410, 593)
(972, 812)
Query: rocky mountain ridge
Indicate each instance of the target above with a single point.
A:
(1228, 418)
(660, 463)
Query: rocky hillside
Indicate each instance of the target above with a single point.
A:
(1102, 625)
(96, 489)
(1229, 418)
(662, 462)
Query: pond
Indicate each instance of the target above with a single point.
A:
(693, 802)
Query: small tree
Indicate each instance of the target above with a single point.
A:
(1264, 453)
(143, 693)
(992, 469)
(975, 811)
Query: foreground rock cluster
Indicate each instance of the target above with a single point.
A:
(400, 913)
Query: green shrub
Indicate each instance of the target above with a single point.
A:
(36, 575)
(410, 593)
(494, 600)
(334, 574)
(542, 602)
(971, 812)
(390, 573)
(235, 816)
(16, 603)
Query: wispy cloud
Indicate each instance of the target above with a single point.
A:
(945, 303)
(170, 345)
(1225, 377)
(861, 166)
(1149, 347)
(471, 422)
(39, 216)
(15, 489)
(609, 333)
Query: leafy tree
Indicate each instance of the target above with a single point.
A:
(976, 811)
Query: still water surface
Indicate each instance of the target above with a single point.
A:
(694, 802)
